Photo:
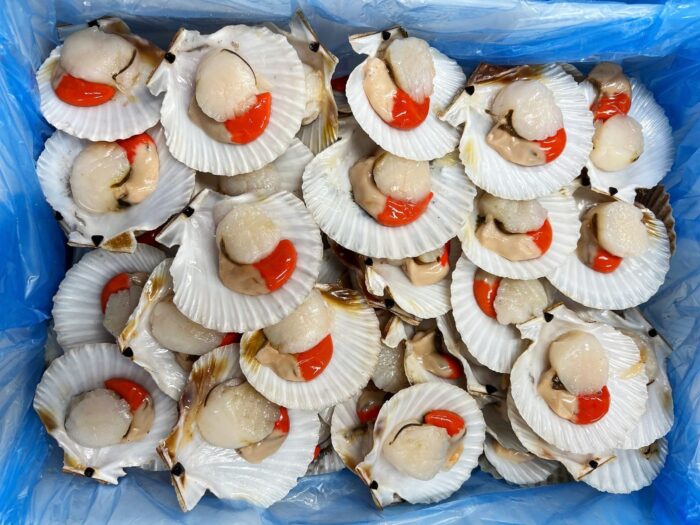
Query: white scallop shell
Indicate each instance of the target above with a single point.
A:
(433, 138)
(491, 172)
(200, 294)
(578, 465)
(77, 311)
(626, 383)
(85, 369)
(657, 158)
(566, 228)
(223, 471)
(630, 470)
(494, 345)
(413, 403)
(355, 334)
(328, 195)
(119, 118)
(327, 461)
(657, 419)
(632, 283)
(147, 351)
(323, 131)
(272, 58)
(345, 419)
(114, 231)
(416, 373)
(289, 168)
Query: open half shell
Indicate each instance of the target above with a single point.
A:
(197, 466)
(352, 439)
(84, 369)
(272, 59)
(77, 311)
(355, 335)
(114, 231)
(500, 177)
(430, 140)
(200, 294)
(385, 482)
(626, 384)
(328, 194)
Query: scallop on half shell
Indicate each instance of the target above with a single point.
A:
(125, 115)
(196, 465)
(626, 384)
(199, 292)
(486, 167)
(406, 410)
(432, 138)
(277, 70)
(329, 197)
(113, 230)
(84, 370)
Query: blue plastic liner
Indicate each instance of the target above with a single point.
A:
(659, 43)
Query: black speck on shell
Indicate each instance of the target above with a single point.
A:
(548, 317)
(386, 35)
(314, 46)
(169, 57)
(89, 472)
(97, 239)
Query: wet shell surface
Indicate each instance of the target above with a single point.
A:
(349, 445)
(77, 311)
(632, 283)
(578, 465)
(272, 59)
(500, 177)
(85, 369)
(114, 231)
(355, 334)
(328, 194)
(563, 217)
(626, 383)
(430, 140)
(223, 471)
(494, 345)
(200, 294)
(386, 483)
(630, 470)
(121, 117)
(657, 158)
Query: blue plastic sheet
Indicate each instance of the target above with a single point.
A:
(659, 43)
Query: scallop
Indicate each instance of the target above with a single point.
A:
(178, 333)
(617, 143)
(304, 328)
(620, 229)
(515, 216)
(418, 451)
(400, 178)
(518, 301)
(97, 180)
(412, 66)
(98, 418)
(235, 415)
(247, 234)
(314, 94)
(225, 85)
(533, 110)
(265, 180)
(580, 362)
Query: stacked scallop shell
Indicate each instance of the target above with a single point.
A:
(408, 290)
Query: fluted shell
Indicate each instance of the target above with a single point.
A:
(630, 470)
(345, 436)
(385, 482)
(353, 361)
(433, 138)
(416, 373)
(77, 311)
(327, 459)
(272, 59)
(328, 194)
(113, 231)
(566, 228)
(578, 465)
(223, 471)
(494, 345)
(200, 294)
(119, 118)
(82, 370)
(498, 176)
(658, 201)
(323, 131)
(634, 281)
(626, 384)
(390, 374)
(656, 160)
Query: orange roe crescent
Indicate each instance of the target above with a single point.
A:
(542, 237)
(118, 283)
(315, 360)
(406, 113)
(132, 144)
(453, 423)
(553, 146)
(605, 262)
(592, 407)
(606, 107)
(82, 93)
(485, 295)
(249, 126)
(278, 267)
(400, 213)
(129, 390)
(282, 423)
